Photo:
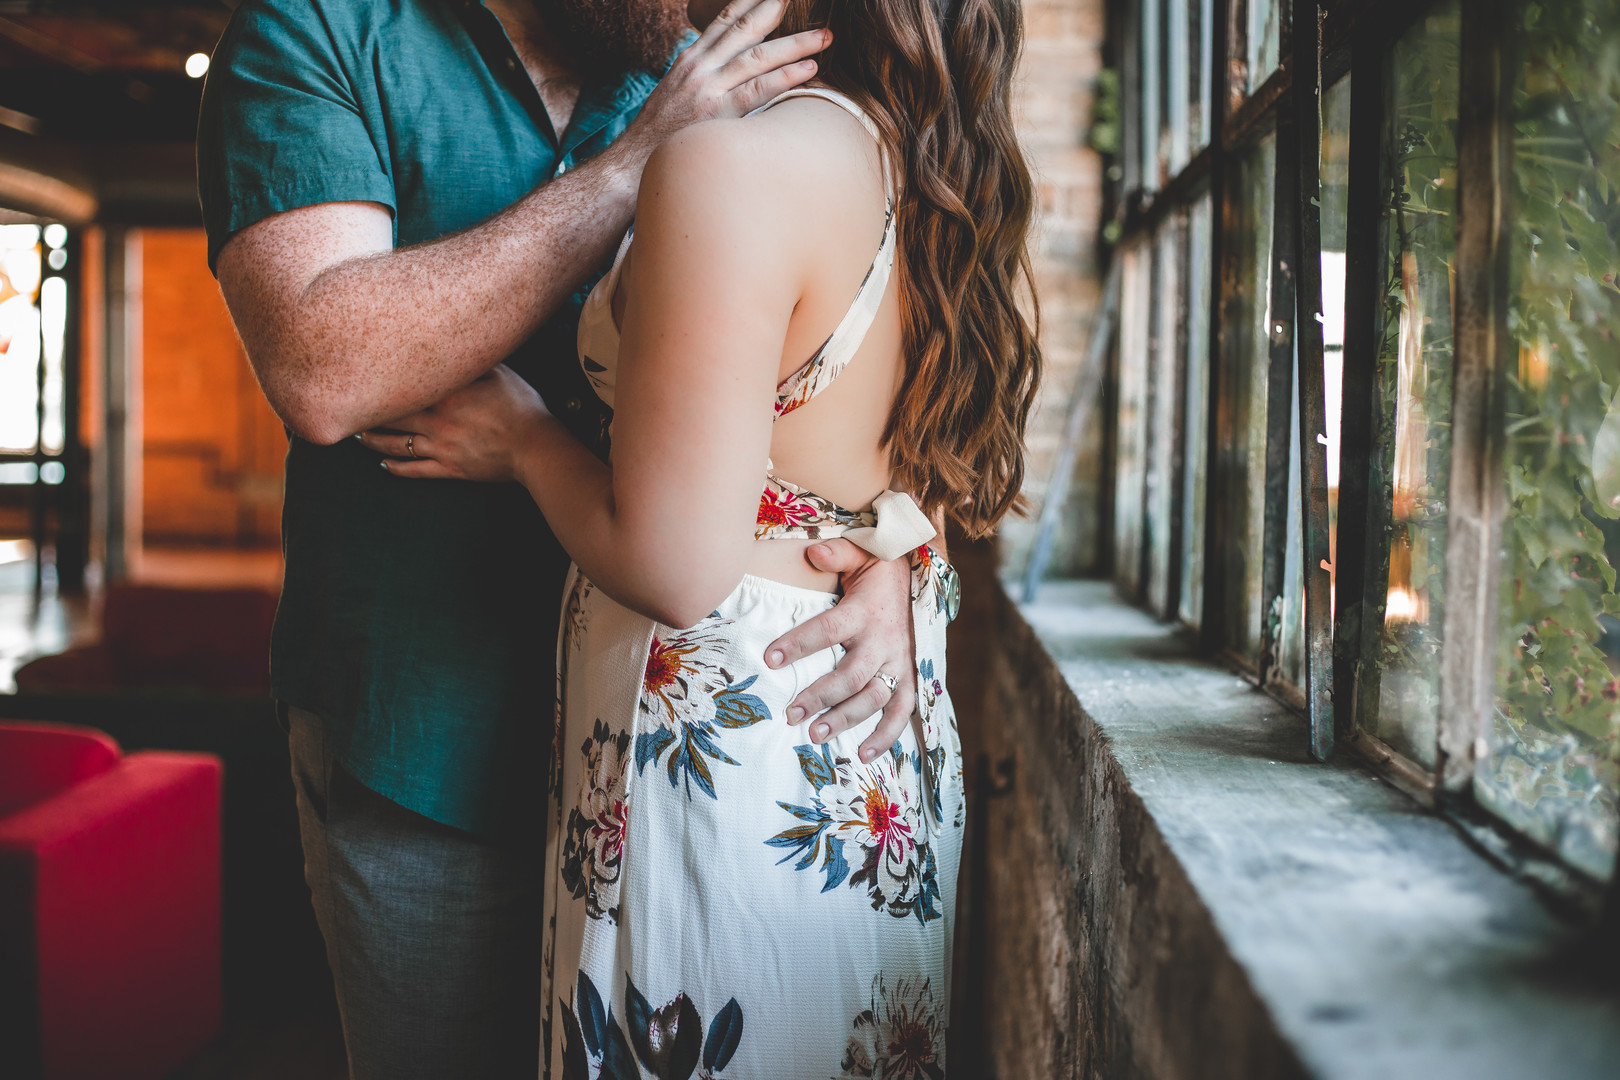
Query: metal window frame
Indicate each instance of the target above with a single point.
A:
(1321, 42)
(66, 500)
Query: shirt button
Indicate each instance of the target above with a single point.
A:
(511, 63)
(573, 404)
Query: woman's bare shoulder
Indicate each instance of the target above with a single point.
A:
(801, 156)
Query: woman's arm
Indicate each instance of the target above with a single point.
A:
(668, 530)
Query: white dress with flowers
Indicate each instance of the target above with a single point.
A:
(725, 898)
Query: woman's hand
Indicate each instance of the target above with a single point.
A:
(479, 432)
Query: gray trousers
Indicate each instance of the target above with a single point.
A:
(433, 934)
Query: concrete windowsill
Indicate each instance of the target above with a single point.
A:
(1382, 944)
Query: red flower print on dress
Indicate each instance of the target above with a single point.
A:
(608, 828)
(886, 821)
(784, 510)
(593, 839)
(865, 827)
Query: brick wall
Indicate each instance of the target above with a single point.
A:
(1062, 57)
(213, 448)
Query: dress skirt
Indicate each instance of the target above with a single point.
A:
(725, 899)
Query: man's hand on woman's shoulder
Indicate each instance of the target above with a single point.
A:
(729, 71)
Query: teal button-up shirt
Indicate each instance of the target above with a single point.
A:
(418, 619)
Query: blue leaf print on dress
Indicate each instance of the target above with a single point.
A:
(735, 709)
(724, 1036)
(592, 1017)
(618, 1063)
(668, 1041)
(574, 1064)
(820, 771)
(650, 744)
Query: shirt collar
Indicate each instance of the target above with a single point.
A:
(602, 102)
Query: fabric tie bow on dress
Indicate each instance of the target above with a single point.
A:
(901, 527)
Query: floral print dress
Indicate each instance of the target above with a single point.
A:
(727, 899)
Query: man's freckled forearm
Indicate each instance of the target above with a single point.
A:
(389, 331)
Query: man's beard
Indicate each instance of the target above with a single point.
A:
(611, 36)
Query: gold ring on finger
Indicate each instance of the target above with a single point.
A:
(410, 446)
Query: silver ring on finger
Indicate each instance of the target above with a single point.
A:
(888, 680)
(410, 446)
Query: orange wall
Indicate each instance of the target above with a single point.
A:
(213, 448)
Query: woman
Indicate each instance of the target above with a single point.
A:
(738, 889)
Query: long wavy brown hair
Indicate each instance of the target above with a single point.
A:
(938, 86)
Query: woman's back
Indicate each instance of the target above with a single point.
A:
(834, 186)
(822, 225)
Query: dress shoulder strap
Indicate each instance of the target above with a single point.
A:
(847, 103)
(840, 347)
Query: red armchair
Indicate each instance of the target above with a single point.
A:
(109, 905)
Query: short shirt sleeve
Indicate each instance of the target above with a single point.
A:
(280, 126)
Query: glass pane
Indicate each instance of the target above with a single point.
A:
(1552, 742)
(20, 268)
(1177, 95)
(1151, 76)
(1335, 200)
(1201, 39)
(1162, 388)
(1265, 40)
(1414, 375)
(1245, 345)
(1194, 477)
(53, 313)
(1132, 433)
(1291, 634)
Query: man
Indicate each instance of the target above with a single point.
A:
(399, 195)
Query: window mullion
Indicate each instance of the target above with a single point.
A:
(1213, 607)
(1179, 511)
(1233, 86)
(1362, 560)
(1307, 93)
(1476, 500)
(1130, 103)
(1279, 388)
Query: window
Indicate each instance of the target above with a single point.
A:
(1244, 317)
(1195, 397)
(1550, 742)
(1264, 40)
(1165, 398)
(1368, 383)
(1131, 452)
(33, 327)
(1412, 422)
